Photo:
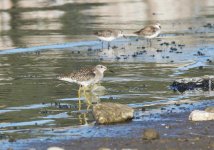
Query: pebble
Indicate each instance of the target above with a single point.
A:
(208, 25)
(158, 50)
(208, 60)
(173, 42)
(143, 109)
(150, 134)
(176, 104)
(200, 53)
(11, 139)
(117, 58)
(89, 49)
(134, 55)
(200, 67)
(165, 43)
(114, 47)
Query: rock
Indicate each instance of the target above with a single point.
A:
(55, 148)
(199, 115)
(107, 113)
(150, 134)
(210, 109)
(11, 139)
(205, 83)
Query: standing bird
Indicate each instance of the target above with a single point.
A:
(150, 31)
(85, 77)
(109, 35)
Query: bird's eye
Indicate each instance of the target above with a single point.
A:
(101, 66)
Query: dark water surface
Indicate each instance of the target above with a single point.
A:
(56, 36)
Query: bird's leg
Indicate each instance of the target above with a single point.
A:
(102, 45)
(84, 92)
(108, 45)
(79, 108)
(147, 41)
(80, 119)
(88, 103)
(79, 97)
(85, 119)
(86, 98)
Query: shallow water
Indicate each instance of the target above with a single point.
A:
(50, 38)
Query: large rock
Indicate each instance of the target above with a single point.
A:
(107, 113)
(200, 115)
(210, 109)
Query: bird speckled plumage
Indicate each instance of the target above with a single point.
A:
(85, 76)
(150, 31)
(108, 33)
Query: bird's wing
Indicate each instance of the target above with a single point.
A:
(84, 74)
(148, 30)
(105, 33)
(81, 75)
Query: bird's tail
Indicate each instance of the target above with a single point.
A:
(65, 77)
(136, 33)
(58, 77)
(97, 33)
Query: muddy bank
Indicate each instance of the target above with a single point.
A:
(176, 134)
(192, 143)
(175, 130)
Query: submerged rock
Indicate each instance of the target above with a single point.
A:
(150, 134)
(107, 113)
(205, 83)
(200, 115)
(210, 109)
(11, 139)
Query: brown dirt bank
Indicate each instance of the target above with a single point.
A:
(193, 143)
(176, 133)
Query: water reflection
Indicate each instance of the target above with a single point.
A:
(168, 10)
(40, 15)
(76, 20)
(42, 3)
(6, 4)
(91, 95)
(5, 42)
(5, 21)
